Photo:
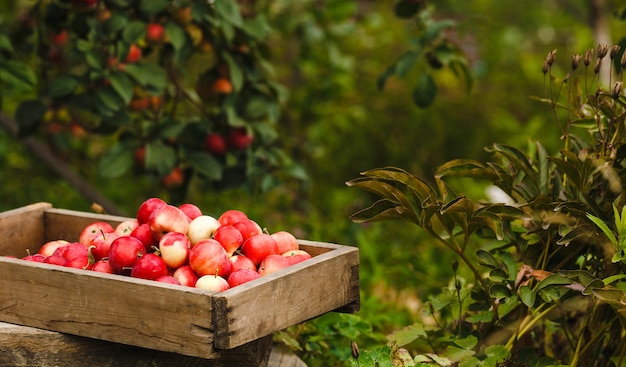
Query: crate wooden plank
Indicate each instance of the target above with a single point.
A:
(24, 226)
(22, 346)
(67, 224)
(282, 299)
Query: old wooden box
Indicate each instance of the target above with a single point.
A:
(157, 316)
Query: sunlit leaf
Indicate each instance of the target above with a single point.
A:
(381, 210)
(407, 334)
(527, 295)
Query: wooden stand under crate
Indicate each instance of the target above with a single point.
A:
(229, 328)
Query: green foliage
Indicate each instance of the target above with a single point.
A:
(543, 274)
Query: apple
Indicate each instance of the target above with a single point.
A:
(242, 276)
(101, 244)
(296, 256)
(230, 238)
(147, 207)
(134, 54)
(39, 258)
(221, 86)
(208, 257)
(168, 218)
(285, 241)
(241, 262)
(168, 279)
(174, 249)
(191, 210)
(144, 234)
(174, 179)
(248, 228)
(149, 266)
(216, 144)
(231, 217)
(239, 138)
(213, 283)
(258, 247)
(272, 263)
(60, 38)
(92, 230)
(49, 247)
(102, 266)
(201, 228)
(124, 253)
(186, 276)
(56, 259)
(155, 33)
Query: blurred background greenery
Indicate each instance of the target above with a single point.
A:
(337, 123)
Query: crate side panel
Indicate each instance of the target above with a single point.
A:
(22, 229)
(285, 298)
(63, 224)
(105, 307)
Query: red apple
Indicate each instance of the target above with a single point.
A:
(39, 258)
(242, 276)
(191, 210)
(186, 276)
(208, 257)
(285, 241)
(168, 279)
(213, 283)
(144, 234)
(258, 247)
(248, 228)
(134, 54)
(149, 266)
(201, 228)
(124, 253)
(92, 230)
(239, 138)
(272, 263)
(126, 227)
(296, 256)
(167, 218)
(155, 33)
(56, 259)
(147, 207)
(49, 247)
(230, 238)
(215, 143)
(232, 216)
(102, 266)
(241, 262)
(174, 248)
(101, 244)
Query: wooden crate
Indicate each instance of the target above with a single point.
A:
(152, 315)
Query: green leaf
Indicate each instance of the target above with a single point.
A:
(134, 31)
(116, 161)
(425, 91)
(206, 165)
(236, 75)
(16, 77)
(148, 75)
(382, 79)
(5, 43)
(160, 157)
(29, 115)
(176, 35)
(153, 6)
(486, 259)
(109, 99)
(406, 9)
(122, 85)
(63, 85)
(229, 10)
(381, 210)
(527, 296)
(406, 63)
(257, 27)
(114, 24)
(408, 334)
(605, 229)
(466, 168)
(499, 291)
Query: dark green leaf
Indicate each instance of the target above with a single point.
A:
(153, 6)
(486, 259)
(257, 27)
(205, 164)
(416, 184)
(5, 43)
(114, 24)
(148, 75)
(229, 10)
(176, 35)
(16, 77)
(381, 210)
(382, 79)
(110, 99)
(236, 75)
(134, 31)
(29, 115)
(554, 279)
(408, 334)
(466, 168)
(116, 161)
(406, 9)
(160, 157)
(527, 296)
(425, 91)
(63, 85)
(122, 85)
(406, 62)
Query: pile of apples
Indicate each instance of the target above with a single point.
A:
(178, 245)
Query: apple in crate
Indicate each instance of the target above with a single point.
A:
(167, 218)
(147, 207)
(241, 262)
(101, 244)
(92, 230)
(213, 283)
(248, 228)
(242, 276)
(149, 266)
(39, 258)
(102, 266)
(49, 247)
(230, 238)
(124, 253)
(186, 276)
(296, 256)
(201, 228)
(272, 263)
(208, 257)
(285, 241)
(191, 210)
(174, 249)
(258, 247)
(231, 217)
(126, 227)
(144, 234)
(167, 279)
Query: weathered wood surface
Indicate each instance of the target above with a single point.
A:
(159, 316)
(22, 346)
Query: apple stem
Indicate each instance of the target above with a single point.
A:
(217, 270)
(92, 259)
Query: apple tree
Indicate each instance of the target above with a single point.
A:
(171, 89)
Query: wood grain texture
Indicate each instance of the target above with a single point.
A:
(22, 229)
(22, 346)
